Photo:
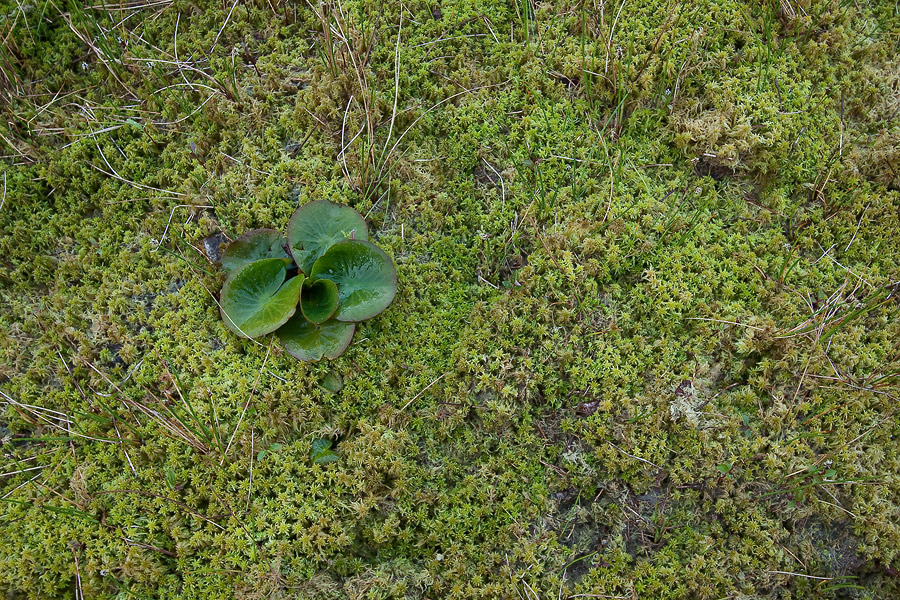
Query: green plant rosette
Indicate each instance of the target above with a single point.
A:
(255, 299)
(253, 246)
(318, 225)
(305, 340)
(365, 277)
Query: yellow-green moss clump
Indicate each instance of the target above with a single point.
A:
(647, 337)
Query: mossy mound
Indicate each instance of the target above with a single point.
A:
(645, 343)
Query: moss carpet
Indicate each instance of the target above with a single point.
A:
(646, 342)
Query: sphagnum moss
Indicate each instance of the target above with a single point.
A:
(622, 232)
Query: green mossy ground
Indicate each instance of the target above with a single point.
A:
(645, 343)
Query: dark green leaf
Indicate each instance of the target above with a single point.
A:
(322, 453)
(264, 451)
(317, 225)
(253, 300)
(319, 300)
(365, 276)
(252, 246)
(332, 381)
(307, 341)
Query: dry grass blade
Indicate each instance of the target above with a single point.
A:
(221, 29)
(133, 5)
(249, 398)
(183, 423)
(172, 424)
(96, 43)
(833, 315)
(38, 415)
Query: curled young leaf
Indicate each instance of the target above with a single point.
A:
(317, 225)
(252, 246)
(318, 300)
(365, 276)
(254, 302)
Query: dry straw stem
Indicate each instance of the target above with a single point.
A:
(833, 315)
(102, 55)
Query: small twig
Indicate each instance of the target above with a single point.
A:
(149, 547)
(182, 505)
(634, 457)
(23, 470)
(396, 89)
(248, 166)
(862, 216)
(483, 280)
(345, 146)
(79, 593)
(247, 403)
(169, 222)
(502, 185)
(423, 391)
(801, 575)
(420, 117)
(250, 484)
(10, 492)
(122, 443)
(449, 39)
(795, 557)
(216, 41)
(723, 321)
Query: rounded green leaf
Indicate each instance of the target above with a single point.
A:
(365, 276)
(317, 225)
(254, 302)
(332, 381)
(254, 245)
(307, 341)
(318, 300)
(322, 453)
